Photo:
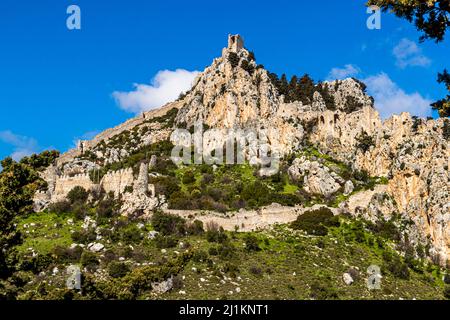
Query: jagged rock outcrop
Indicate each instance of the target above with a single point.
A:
(411, 153)
(317, 178)
(234, 93)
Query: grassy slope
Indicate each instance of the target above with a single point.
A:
(291, 265)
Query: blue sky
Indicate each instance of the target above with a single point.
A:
(57, 85)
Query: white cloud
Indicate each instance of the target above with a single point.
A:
(349, 70)
(407, 53)
(390, 99)
(23, 146)
(166, 86)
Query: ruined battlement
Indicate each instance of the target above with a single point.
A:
(80, 176)
(235, 43)
(120, 172)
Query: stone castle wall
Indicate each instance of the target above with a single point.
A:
(117, 181)
(108, 134)
(64, 184)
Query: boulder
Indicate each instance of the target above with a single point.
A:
(348, 280)
(348, 187)
(96, 247)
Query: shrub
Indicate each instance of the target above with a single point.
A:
(35, 264)
(109, 256)
(164, 242)
(181, 201)
(226, 251)
(42, 160)
(394, 264)
(200, 256)
(215, 234)
(233, 59)
(165, 185)
(77, 194)
(231, 269)
(83, 236)
(247, 66)
(195, 228)
(251, 243)
(446, 130)
(168, 224)
(68, 255)
(60, 207)
(354, 274)
(316, 222)
(177, 283)
(131, 234)
(364, 141)
(213, 251)
(118, 269)
(447, 279)
(79, 210)
(447, 291)
(164, 165)
(362, 175)
(251, 56)
(257, 271)
(352, 104)
(386, 229)
(323, 291)
(106, 209)
(207, 179)
(416, 123)
(89, 260)
(188, 177)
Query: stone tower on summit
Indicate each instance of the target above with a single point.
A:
(235, 43)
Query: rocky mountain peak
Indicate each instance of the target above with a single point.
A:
(232, 91)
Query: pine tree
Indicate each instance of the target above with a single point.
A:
(305, 89)
(293, 94)
(283, 87)
(443, 105)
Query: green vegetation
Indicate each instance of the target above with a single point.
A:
(232, 187)
(431, 18)
(352, 104)
(446, 130)
(247, 66)
(275, 264)
(40, 161)
(77, 194)
(303, 260)
(316, 222)
(297, 89)
(161, 149)
(365, 141)
(233, 59)
(167, 120)
(18, 183)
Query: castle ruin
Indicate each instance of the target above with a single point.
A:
(235, 43)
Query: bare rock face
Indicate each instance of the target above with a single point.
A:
(162, 287)
(142, 200)
(348, 187)
(317, 178)
(318, 103)
(411, 153)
